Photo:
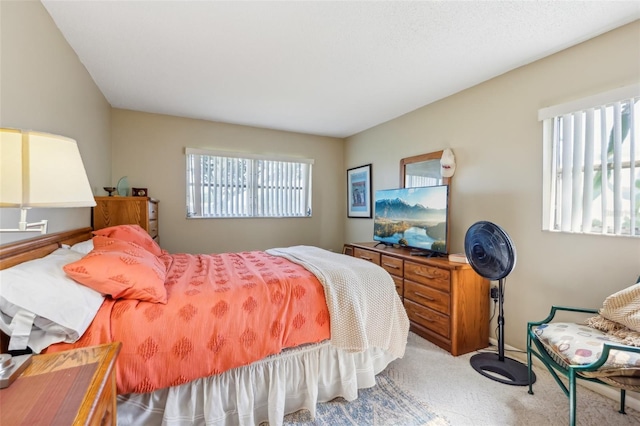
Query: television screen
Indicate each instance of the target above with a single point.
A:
(412, 217)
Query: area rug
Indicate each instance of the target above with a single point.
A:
(385, 404)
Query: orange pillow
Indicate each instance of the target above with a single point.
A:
(134, 234)
(121, 269)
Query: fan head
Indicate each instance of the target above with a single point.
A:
(490, 251)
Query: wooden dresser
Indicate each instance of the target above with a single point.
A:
(111, 211)
(447, 302)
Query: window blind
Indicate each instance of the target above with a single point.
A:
(591, 165)
(240, 185)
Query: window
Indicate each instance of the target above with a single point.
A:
(592, 164)
(241, 185)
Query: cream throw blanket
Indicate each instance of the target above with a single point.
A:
(620, 316)
(364, 308)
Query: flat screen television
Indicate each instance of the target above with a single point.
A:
(413, 217)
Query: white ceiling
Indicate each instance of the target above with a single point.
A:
(317, 67)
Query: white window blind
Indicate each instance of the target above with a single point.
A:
(592, 164)
(415, 181)
(222, 184)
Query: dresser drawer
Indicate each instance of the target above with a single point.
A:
(428, 296)
(371, 256)
(393, 265)
(433, 277)
(153, 228)
(153, 210)
(398, 281)
(434, 321)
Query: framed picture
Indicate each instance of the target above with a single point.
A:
(359, 191)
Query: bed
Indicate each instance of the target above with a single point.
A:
(238, 338)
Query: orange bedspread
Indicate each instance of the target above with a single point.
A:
(223, 311)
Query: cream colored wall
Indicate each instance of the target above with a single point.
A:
(44, 87)
(497, 140)
(149, 150)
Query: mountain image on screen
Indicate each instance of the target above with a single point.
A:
(413, 217)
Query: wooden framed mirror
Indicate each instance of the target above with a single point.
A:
(422, 170)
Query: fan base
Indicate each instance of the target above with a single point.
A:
(506, 371)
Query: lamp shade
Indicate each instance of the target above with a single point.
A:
(41, 170)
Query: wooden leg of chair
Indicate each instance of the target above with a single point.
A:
(623, 395)
(572, 397)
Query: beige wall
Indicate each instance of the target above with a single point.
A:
(497, 140)
(149, 150)
(44, 87)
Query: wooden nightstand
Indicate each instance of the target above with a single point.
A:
(72, 387)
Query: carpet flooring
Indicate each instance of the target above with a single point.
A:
(454, 390)
(384, 404)
(431, 378)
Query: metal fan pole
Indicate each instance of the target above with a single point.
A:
(501, 320)
(499, 368)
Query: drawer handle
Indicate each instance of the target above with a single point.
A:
(423, 317)
(391, 266)
(430, 299)
(366, 258)
(431, 277)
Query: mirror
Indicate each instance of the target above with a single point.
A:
(422, 170)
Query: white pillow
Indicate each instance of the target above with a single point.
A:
(83, 247)
(39, 291)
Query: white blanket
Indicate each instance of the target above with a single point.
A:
(623, 307)
(364, 308)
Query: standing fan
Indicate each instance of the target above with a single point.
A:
(492, 255)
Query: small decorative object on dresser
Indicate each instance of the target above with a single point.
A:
(139, 192)
(123, 186)
(111, 211)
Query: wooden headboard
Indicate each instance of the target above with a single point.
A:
(33, 248)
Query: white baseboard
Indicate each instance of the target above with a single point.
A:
(632, 399)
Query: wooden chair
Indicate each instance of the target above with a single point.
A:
(610, 363)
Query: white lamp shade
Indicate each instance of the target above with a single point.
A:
(41, 170)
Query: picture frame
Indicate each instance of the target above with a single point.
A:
(359, 192)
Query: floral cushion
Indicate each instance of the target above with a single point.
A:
(577, 344)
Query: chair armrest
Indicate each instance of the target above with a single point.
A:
(555, 309)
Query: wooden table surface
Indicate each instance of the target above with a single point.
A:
(99, 396)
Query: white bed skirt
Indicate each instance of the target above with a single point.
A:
(263, 391)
